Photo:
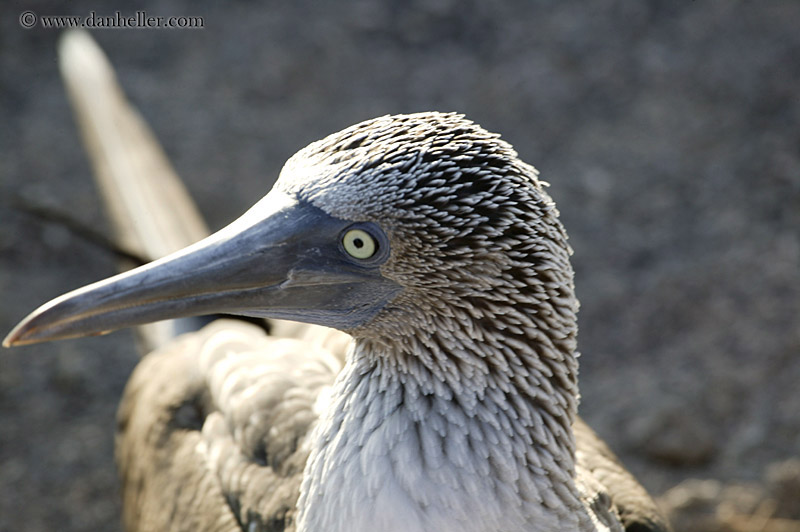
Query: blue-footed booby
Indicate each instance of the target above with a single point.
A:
(453, 407)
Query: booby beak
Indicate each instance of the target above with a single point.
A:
(282, 259)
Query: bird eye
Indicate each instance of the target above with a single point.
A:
(359, 244)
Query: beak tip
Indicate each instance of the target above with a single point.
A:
(17, 336)
(11, 340)
(26, 332)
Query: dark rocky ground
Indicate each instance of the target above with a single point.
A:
(668, 129)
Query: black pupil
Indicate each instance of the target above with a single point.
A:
(358, 243)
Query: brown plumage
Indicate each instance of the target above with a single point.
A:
(167, 402)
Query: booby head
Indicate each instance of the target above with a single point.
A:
(395, 224)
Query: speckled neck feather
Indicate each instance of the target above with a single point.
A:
(454, 410)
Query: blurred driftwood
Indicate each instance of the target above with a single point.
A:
(150, 209)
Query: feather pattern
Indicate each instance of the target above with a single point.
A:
(455, 407)
(173, 434)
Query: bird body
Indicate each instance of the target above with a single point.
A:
(454, 408)
(242, 405)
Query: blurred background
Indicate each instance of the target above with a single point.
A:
(667, 129)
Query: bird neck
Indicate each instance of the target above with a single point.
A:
(511, 369)
(464, 428)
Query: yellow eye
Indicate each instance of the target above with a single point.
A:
(359, 244)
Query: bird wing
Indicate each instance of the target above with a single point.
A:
(609, 488)
(211, 428)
